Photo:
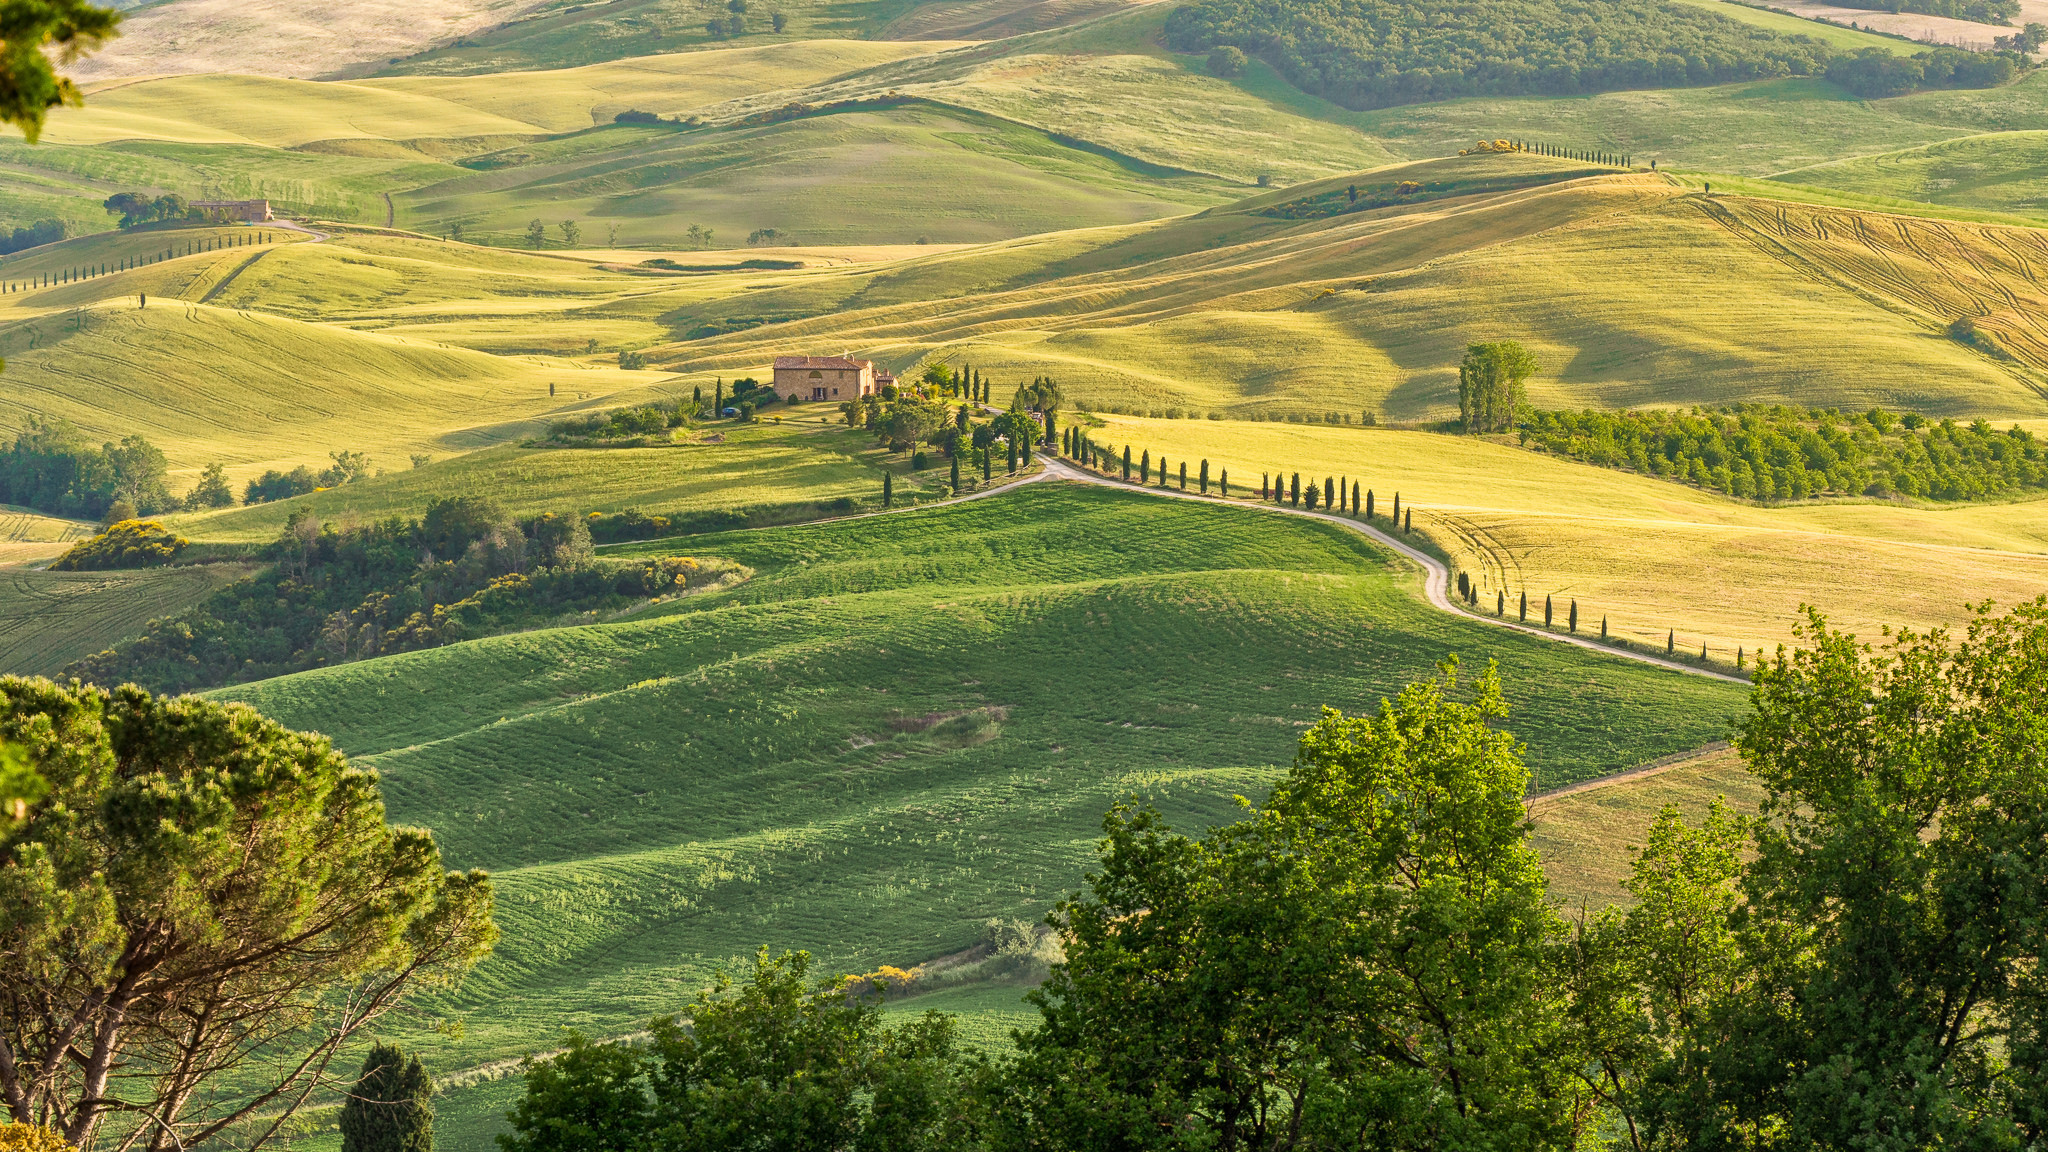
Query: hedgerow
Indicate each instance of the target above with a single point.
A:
(1781, 452)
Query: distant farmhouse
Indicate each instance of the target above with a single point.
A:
(253, 211)
(828, 377)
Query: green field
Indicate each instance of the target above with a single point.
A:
(49, 619)
(764, 467)
(901, 726)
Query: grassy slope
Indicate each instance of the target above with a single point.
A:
(1651, 556)
(256, 391)
(1637, 291)
(1587, 839)
(860, 177)
(48, 619)
(659, 795)
(755, 467)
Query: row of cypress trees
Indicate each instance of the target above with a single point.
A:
(89, 271)
(1468, 591)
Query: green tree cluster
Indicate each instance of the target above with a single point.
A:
(1491, 383)
(340, 593)
(1875, 73)
(1375, 53)
(622, 424)
(777, 1061)
(136, 209)
(1779, 452)
(51, 467)
(347, 467)
(33, 236)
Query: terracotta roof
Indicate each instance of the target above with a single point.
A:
(807, 362)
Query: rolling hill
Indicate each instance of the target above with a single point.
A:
(900, 727)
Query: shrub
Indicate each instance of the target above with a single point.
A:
(127, 544)
(1227, 61)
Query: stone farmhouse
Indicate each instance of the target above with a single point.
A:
(251, 211)
(828, 377)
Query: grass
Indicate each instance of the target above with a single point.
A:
(771, 764)
(1588, 839)
(26, 534)
(1649, 555)
(48, 619)
(764, 466)
(1995, 172)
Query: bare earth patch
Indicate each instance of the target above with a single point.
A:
(1931, 29)
(296, 38)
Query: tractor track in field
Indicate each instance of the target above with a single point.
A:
(1436, 576)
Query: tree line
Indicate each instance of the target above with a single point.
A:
(1786, 452)
(1372, 957)
(336, 593)
(1376, 53)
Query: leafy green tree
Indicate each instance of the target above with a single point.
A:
(391, 1107)
(33, 35)
(586, 1098)
(1644, 979)
(204, 899)
(1365, 960)
(1490, 385)
(212, 491)
(572, 234)
(1892, 932)
(536, 233)
(778, 1061)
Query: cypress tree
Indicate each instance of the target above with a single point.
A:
(1183, 475)
(1354, 497)
(1368, 503)
(1546, 610)
(1311, 496)
(888, 489)
(1500, 603)
(1205, 477)
(1603, 627)
(1162, 471)
(1738, 657)
(1575, 616)
(1264, 485)
(1024, 451)
(1225, 483)
(1145, 467)
(1329, 492)
(1397, 509)
(1671, 643)
(1050, 422)
(718, 399)
(956, 473)
(1464, 585)
(1409, 524)
(1295, 491)
(1525, 606)
(1013, 458)
(391, 1108)
(987, 464)
(1127, 463)
(1279, 488)
(1703, 651)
